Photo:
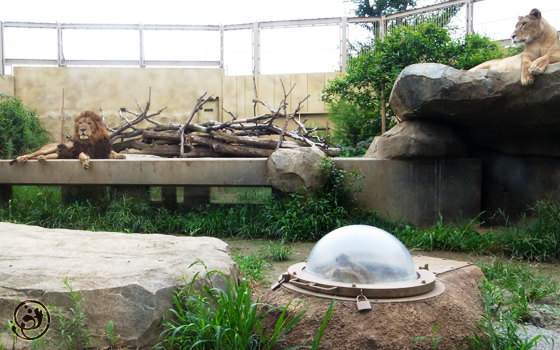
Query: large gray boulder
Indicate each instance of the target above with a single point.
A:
(493, 110)
(290, 169)
(125, 278)
(413, 139)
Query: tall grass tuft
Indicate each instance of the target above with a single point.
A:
(507, 292)
(537, 236)
(225, 318)
(70, 326)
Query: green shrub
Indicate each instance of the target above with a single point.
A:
(352, 124)
(21, 131)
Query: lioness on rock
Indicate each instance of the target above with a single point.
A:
(542, 47)
(90, 141)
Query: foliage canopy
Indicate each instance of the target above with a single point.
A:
(372, 72)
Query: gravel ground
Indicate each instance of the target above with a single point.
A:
(542, 344)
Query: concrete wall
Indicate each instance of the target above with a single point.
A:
(7, 85)
(419, 191)
(175, 88)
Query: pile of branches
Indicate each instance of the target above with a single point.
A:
(237, 137)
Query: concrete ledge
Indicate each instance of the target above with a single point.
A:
(413, 191)
(175, 171)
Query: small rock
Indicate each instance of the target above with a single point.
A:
(290, 169)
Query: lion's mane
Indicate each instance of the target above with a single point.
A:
(98, 146)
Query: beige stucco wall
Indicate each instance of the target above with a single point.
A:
(174, 88)
(113, 88)
(239, 94)
(7, 85)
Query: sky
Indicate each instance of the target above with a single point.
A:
(168, 11)
(215, 11)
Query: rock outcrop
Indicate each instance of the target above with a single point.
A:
(125, 278)
(414, 139)
(489, 109)
(512, 128)
(290, 169)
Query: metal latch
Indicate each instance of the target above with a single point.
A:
(284, 278)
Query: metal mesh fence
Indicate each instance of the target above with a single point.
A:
(98, 44)
(496, 18)
(181, 45)
(30, 43)
(452, 17)
(298, 46)
(238, 52)
(300, 50)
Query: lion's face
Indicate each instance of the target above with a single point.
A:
(528, 28)
(88, 128)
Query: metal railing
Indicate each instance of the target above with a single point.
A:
(63, 46)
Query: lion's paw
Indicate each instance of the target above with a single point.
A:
(120, 156)
(22, 159)
(42, 159)
(86, 165)
(537, 68)
(527, 80)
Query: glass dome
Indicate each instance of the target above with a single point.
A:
(360, 254)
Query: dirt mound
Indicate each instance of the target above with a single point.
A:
(389, 326)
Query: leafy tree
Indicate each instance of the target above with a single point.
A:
(377, 8)
(20, 129)
(381, 7)
(371, 74)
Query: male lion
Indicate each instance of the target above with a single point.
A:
(542, 48)
(91, 141)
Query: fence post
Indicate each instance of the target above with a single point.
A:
(2, 48)
(141, 37)
(469, 24)
(382, 27)
(60, 53)
(221, 46)
(256, 50)
(343, 44)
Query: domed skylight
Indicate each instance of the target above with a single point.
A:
(360, 254)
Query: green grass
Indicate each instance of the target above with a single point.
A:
(287, 218)
(537, 236)
(507, 292)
